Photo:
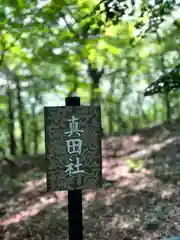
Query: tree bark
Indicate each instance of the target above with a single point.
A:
(166, 96)
(35, 125)
(168, 107)
(21, 115)
(110, 107)
(11, 121)
(95, 76)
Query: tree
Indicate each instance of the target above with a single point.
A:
(68, 48)
(165, 83)
(156, 11)
(11, 119)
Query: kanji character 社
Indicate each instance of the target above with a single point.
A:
(73, 168)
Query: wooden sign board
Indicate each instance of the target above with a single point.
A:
(73, 147)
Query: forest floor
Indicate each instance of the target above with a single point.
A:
(140, 198)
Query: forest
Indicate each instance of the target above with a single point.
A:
(121, 55)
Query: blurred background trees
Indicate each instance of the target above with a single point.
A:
(107, 52)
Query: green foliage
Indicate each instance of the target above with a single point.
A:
(150, 15)
(165, 83)
(106, 52)
(49, 49)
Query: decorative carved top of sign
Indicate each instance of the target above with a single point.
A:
(73, 147)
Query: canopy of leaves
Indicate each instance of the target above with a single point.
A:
(148, 14)
(165, 83)
(106, 52)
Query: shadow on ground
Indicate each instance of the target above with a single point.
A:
(135, 202)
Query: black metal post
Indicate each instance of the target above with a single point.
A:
(75, 197)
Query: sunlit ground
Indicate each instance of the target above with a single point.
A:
(140, 198)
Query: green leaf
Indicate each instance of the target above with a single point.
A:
(21, 3)
(3, 99)
(165, 83)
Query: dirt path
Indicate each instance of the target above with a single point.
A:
(134, 203)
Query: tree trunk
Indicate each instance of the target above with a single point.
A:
(110, 107)
(95, 76)
(11, 121)
(168, 107)
(21, 115)
(35, 130)
(166, 96)
(35, 125)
